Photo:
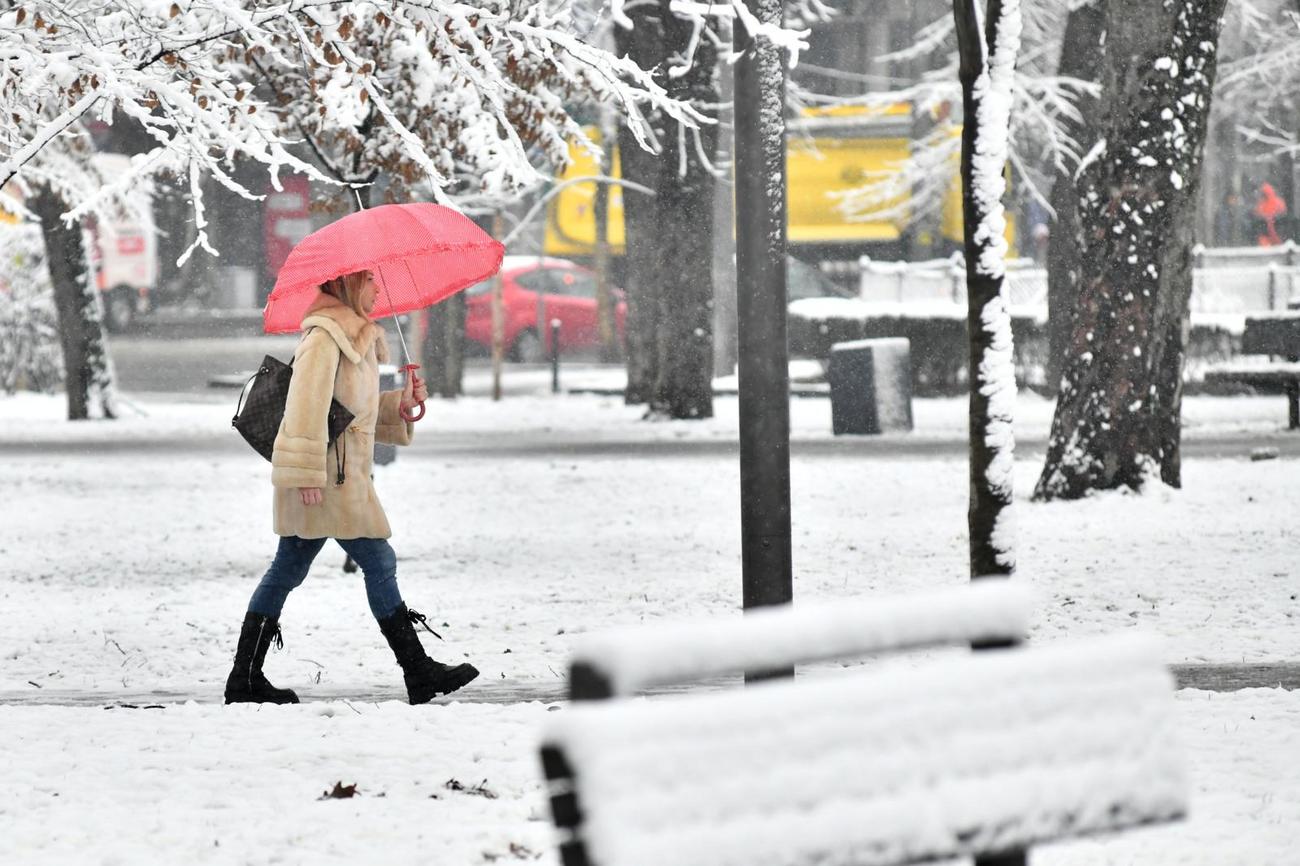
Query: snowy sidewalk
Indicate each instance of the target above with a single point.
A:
(1205, 677)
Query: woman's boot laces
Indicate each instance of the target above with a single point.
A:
(418, 618)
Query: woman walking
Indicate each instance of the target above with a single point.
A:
(324, 491)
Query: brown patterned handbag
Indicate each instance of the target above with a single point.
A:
(261, 409)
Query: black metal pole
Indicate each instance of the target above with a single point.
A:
(761, 307)
(555, 356)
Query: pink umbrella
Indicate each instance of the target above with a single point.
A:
(420, 254)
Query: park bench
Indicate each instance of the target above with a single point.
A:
(908, 760)
(1274, 334)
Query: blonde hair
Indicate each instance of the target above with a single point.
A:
(347, 289)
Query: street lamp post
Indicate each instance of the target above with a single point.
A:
(760, 185)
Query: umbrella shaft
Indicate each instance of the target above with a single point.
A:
(401, 338)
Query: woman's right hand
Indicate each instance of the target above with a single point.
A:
(311, 495)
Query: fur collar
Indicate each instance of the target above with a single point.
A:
(353, 333)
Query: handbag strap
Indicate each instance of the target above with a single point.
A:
(243, 392)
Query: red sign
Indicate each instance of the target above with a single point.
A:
(130, 245)
(286, 219)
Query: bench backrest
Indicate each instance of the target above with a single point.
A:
(625, 662)
(983, 753)
(1275, 334)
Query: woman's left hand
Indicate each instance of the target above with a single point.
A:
(414, 392)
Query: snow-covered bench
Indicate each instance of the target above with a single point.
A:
(964, 754)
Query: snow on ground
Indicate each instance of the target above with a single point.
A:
(126, 569)
(34, 418)
(210, 784)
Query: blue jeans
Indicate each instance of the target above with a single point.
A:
(294, 556)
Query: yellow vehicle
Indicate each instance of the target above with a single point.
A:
(829, 151)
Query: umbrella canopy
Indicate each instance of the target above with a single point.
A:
(419, 254)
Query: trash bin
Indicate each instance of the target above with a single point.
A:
(871, 386)
(388, 381)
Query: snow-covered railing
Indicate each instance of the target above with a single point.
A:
(1286, 253)
(626, 662)
(944, 280)
(958, 756)
(1224, 280)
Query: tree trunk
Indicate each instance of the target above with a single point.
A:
(444, 347)
(684, 242)
(644, 44)
(87, 368)
(1081, 56)
(1118, 417)
(986, 95)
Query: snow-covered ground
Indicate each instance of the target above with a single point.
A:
(125, 570)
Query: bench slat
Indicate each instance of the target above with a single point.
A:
(987, 753)
(985, 611)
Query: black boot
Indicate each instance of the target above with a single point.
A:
(425, 678)
(246, 683)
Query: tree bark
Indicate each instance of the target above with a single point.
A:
(986, 93)
(1081, 57)
(444, 347)
(88, 372)
(644, 44)
(1118, 417)
(684, 241)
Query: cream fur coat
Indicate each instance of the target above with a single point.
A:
(339, 357)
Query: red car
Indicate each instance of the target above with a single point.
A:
(541, 289)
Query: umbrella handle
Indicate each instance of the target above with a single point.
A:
(412, 414)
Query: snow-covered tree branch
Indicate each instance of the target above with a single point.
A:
(1042, 112)
(448, 99)
(444, 95)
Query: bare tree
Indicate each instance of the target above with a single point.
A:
(641, 39)
(88, 376)
(1082, 49)
(1118, 417)
(684, 238)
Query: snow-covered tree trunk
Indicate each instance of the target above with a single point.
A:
(988, 62)
(643, 44)
(88, 373)
(1118, 417)
(1082, 49)
(684, 241)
